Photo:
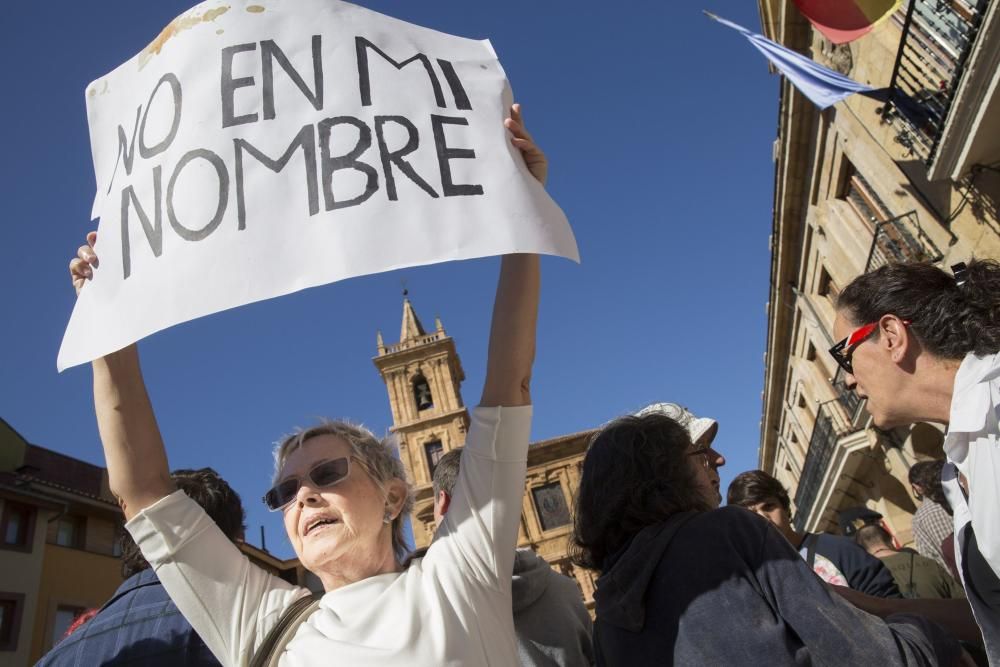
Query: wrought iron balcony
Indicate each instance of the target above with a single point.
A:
(933, 51)
(901, 239)
(831, 425)
(849, 400)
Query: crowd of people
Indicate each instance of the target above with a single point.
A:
(679, 579)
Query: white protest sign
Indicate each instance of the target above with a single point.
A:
(257, 149)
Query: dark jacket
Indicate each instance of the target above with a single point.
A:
(862, 571)
(725, 588)
(139, 625)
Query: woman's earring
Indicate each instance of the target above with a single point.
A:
(387, 517)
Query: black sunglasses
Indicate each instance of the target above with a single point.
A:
(843, 351)
(324, 474)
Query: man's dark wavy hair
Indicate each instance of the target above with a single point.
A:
(217, 498)
(636, 473)
(949, 320)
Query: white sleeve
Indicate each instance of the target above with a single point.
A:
(479, 532)
(984, 496)
(230, 602)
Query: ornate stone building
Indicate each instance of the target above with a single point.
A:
(856, 186)
(423, 376)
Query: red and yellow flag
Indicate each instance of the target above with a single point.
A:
(843, 21)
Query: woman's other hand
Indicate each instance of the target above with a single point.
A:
(533, 156)
(81, 268)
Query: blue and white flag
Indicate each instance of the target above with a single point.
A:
(823, 86)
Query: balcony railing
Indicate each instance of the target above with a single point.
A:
(901, 239)
(831, 425)
(415, 342)
(848, 399)
(937, 38)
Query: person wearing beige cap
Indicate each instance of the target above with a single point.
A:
(702, 431)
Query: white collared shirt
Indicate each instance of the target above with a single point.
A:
(972, 445)
(973, 448)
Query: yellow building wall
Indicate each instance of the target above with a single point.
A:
(21, 572)
(70, 577)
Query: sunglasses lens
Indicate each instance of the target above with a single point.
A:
(837, 352)
(281, 494)
(329, 472)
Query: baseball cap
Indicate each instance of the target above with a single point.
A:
(701, 429)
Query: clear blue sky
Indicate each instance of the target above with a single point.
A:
(658, 125)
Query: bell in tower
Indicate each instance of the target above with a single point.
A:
(422, 393)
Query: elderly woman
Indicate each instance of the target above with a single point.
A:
(922, 344)
(343, 498)
(682, 582)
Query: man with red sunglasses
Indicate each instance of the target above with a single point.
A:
(923, 345)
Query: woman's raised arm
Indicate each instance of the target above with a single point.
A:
(515, 309)
(137, 462)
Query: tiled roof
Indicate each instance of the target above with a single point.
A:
(563, 438)
(45, 467)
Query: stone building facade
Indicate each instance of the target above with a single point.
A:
(859, 185)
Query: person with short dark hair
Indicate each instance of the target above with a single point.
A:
(552, 624)
(682, 582)
(140, 624)
(835, 559)
(932, 522)
(917, 576)
(923, 345)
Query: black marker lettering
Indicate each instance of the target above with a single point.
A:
(228, 86)
(445, 153)
(348, 161)
(306, 140)
(390, 158)
(154, 232)
(362, 45)
(269, 52)
(220, 210)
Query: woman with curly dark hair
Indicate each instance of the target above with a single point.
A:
(682, 582)
(923, 345)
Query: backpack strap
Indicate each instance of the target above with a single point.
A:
(811, 540)
(912, 555)
(268, 653)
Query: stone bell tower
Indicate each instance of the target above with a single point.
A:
(423, 375)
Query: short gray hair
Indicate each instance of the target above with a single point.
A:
(376, 456)
(446, 471)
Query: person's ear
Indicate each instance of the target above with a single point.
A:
(395, 492)
(442, 502)
(894, 337)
